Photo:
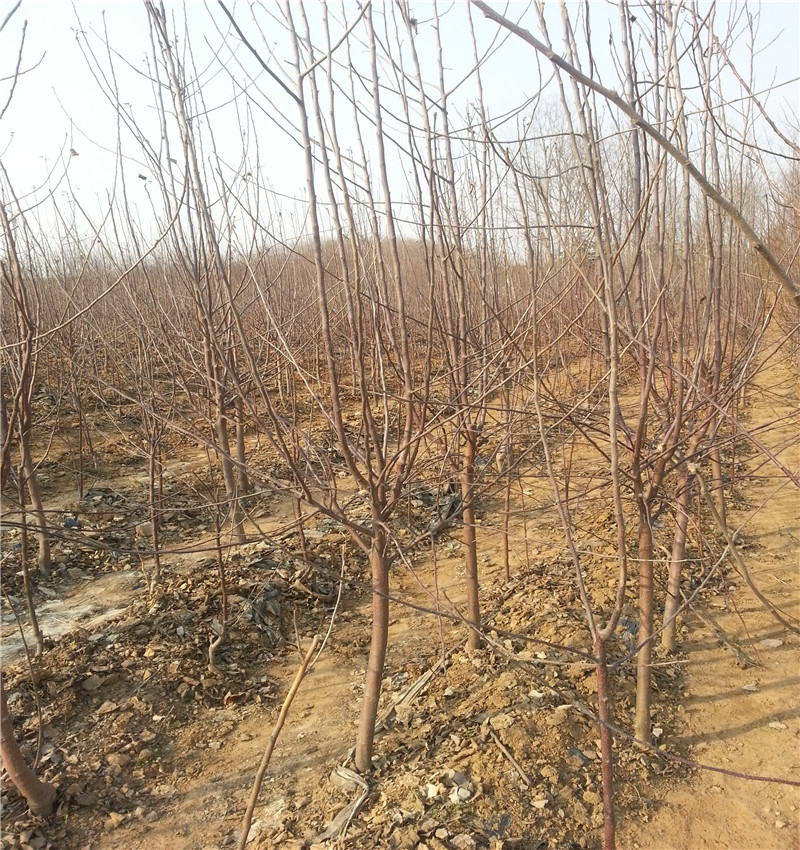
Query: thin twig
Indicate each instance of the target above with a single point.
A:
(262, 768)
(741, 567)
(514, 763)
(333, 615)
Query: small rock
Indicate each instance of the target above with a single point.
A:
(777, 725)
(442, 833)
(114, 820)
(118, 759)
(427, 826)
(779, 824)
(255, 830)
(92, 683)
(151, 816)
(772, 643)
(75, 573)
(406, 838)
(273, 813)
(462, 841)
(460, 778)
(540, 804)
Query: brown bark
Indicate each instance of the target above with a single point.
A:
(37, 506)
(673, 598)
(40, 795)
(606, 753)
(377, 651)
(643, 669)
(470, 543)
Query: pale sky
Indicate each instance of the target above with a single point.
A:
(58, 105)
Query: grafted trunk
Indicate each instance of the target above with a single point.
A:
(377, 651)
(673, 598)
(643, 668)
(606, 744)
(37, 507)
(470, 543)
(40, 795)
(232, 493)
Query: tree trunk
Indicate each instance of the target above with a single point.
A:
(241, 449)
(26, 573)
(40, 795)
(229, 477)
(470, 543)
(606, 744)
(37, 508)
(377, 651)
(643, 669)
(673, 599)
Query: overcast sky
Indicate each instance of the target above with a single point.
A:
(58, 104)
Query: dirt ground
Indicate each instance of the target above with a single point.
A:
(151, 748)
(745, 720)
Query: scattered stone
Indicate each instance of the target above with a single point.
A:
(405, 838)
(92, 683)
(777, 725)
(430, 791)
(462, 841)
(772, 643)
(114, 820)
(427, 826)
(256, 828)
(501, 721)
(273, 814)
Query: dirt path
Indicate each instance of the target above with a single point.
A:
(746, 720)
